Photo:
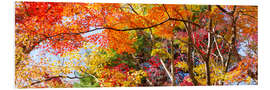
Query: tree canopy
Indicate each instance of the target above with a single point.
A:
(129, 44)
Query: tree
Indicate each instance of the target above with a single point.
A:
(135, 44)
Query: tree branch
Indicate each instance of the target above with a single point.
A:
(232, 46)
(222, 9)
(190, 61)
(167, 71)
(172, 62)
(129, 29)
(166, 11)
(48, 79)
(219, 53)
(133, 9)
(209, 47)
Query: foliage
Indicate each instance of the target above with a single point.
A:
(61, 45)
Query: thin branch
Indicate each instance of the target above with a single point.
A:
(150, 83)
(187, 21)
(172, 62)
(242, 12)
(133, 9)
(60, 76)
(167, 71)
(48, 79)
(166, 11)
(129, 29)
(219, 53)
(90, 75)
(234, 9)
(222, 9)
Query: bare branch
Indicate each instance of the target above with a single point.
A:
(53, 77)
(133, 9)
(167, 71)
(222, 9)
(166, 11)
(219, 53)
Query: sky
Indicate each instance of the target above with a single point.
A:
(39, 53)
